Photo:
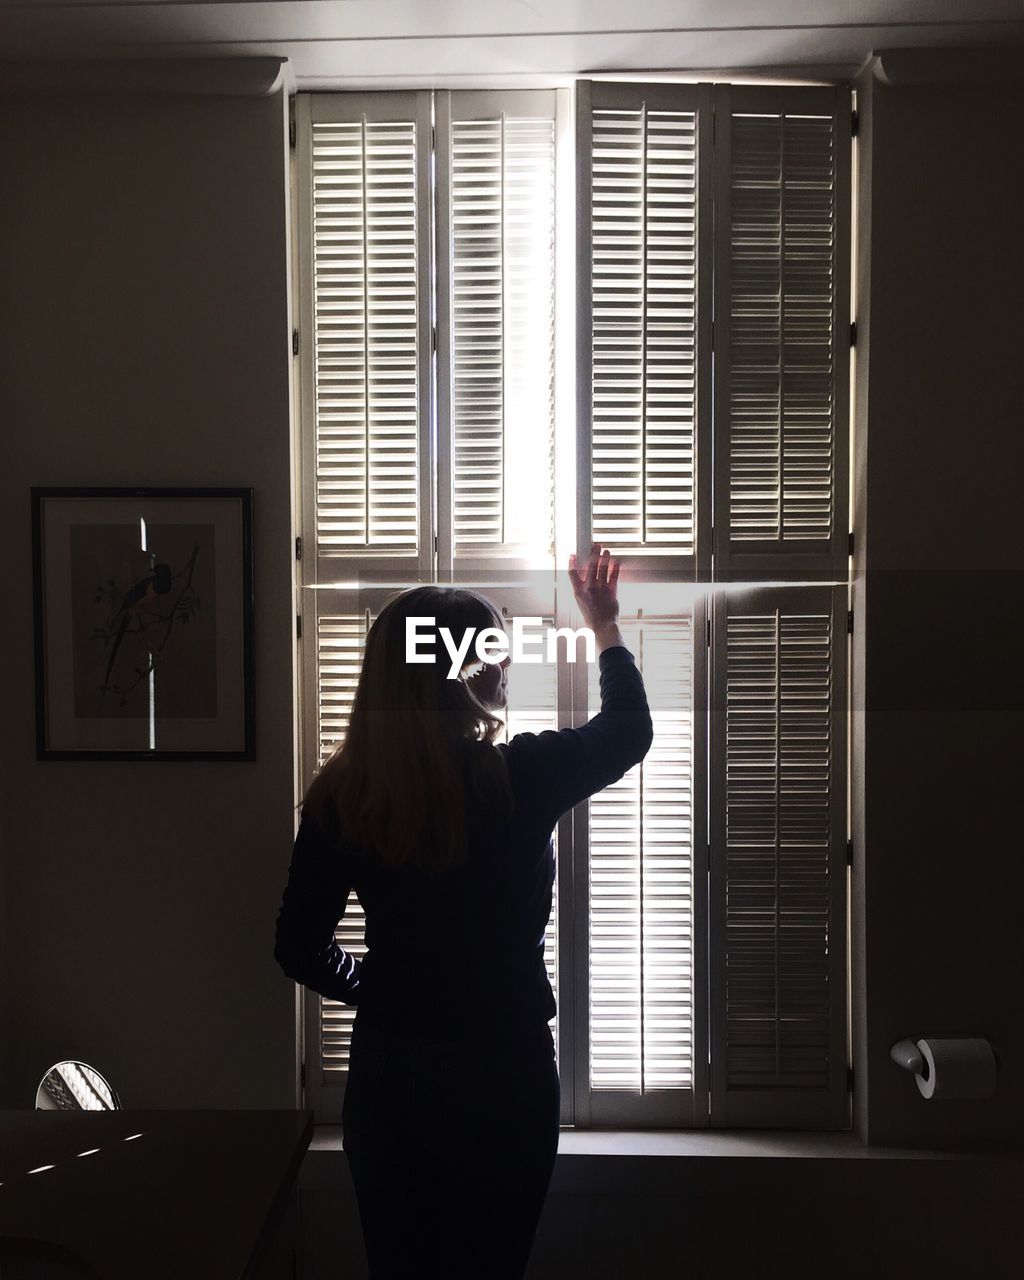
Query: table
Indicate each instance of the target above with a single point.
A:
(152, 1194)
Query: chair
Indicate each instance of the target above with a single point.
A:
(74, 1086)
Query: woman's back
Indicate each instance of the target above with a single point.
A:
(459, 955)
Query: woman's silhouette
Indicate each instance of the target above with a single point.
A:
(451, 1109)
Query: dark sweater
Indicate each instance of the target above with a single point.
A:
(461, 956)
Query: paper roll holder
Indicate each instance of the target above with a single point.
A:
(907, 1055)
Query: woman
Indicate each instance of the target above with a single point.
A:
(451, 1109)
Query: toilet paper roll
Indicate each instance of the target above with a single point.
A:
(956, 1068)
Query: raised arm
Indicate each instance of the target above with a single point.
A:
(313, 903)
(561, 768)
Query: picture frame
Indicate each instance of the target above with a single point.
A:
(143, 604)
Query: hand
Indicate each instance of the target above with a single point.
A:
(595, 588)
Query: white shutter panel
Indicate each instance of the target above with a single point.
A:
(363, 165)
(644, 296)
(496, 266)
(364, 327)
(782, 332)
(778, 870)
(646, 844)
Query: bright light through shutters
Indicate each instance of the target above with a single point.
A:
(641, 884)
(644, 296)
(502, 343)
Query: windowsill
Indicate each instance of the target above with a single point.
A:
(710, 1164)
(703, 1144)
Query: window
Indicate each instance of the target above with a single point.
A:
(516, 335)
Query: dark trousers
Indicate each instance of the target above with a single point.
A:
(451, 1149)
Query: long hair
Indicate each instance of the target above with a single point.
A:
(396, 785)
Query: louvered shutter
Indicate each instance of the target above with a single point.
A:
(364, 341)
(778, 867)
(644, 183)
(654, 190)
(364, 169)
(645, 900)
(367, 200)
(782, 332)
(496, 328)
(341, 619)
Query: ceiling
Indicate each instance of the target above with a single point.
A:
(378, 43)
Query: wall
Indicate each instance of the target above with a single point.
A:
(144, 282)
(843, 1216)
(143, 272)
(939, 574)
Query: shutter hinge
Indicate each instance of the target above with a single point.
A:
(302, 1075)
(849, 853)
(435, 544)
(295, 342)
(849, 544)
(298, 626)
(291, 133)
(707, 632)
(712, 335)
(298, 548)
(849, 622)
(849, 1079)
(433, 338)
(854, 124)
(853, 333)
(709, 858)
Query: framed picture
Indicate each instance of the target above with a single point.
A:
(144, 624)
